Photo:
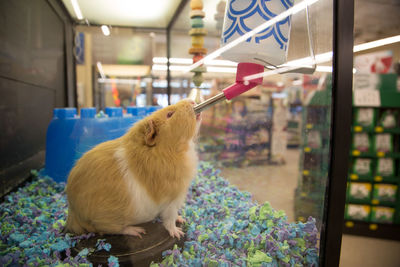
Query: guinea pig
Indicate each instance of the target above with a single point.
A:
(137, 177)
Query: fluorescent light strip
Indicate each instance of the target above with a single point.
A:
(189, 61)
(219, 62)
(120, 81)
(171, 67)
(377, 43)
(221, 69)
(100, 68)
(322, 58)
(177, 68)
(159, 67)
(281, 16)
(183, 68)
(77, 9)
(186, 61)
(324, 68)
(173, 60)
(160, 60)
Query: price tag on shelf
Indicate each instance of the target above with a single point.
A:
(378, 129)
(307, 149)
(373, 226)
(349, 224)
(358, 129)
(353, 176)
(380, 154)
(306, 172)
(375, 201)
(378, 179)
(309, 126)
(356, 152)
(367, 98)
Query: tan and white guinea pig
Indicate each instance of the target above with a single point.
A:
(137, 177)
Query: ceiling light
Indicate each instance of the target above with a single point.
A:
(324, 68)
(328, 69)
(183, 68)
(221, 69)
(377, 43)
(181, 60)
(177, 68)
(219, 62)
(164, 60)
(188, 61)
(159, 67)
(160, 60)
(120, 81)
(106, 30)
(77, 9)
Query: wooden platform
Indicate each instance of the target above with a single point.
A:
(132, 250)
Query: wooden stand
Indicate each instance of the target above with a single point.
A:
(132, 250)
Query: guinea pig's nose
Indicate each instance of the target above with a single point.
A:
(192, 102)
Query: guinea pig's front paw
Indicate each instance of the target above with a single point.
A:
(180, 220)
(175, 231)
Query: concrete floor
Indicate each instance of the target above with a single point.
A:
(276, 184)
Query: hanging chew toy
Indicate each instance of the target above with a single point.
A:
(197, 33)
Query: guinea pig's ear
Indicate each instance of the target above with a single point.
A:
(150, 134)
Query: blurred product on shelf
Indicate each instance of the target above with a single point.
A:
(375, 158)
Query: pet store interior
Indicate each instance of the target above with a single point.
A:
(299, 139)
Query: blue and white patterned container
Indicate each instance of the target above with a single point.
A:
(268, 47)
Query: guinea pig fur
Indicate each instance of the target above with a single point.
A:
(137, 177)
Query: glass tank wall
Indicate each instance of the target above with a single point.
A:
(272, 141)
(115, 70)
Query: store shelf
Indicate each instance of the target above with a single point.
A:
(372, 202)
(359, 154)
(377, 230)
(314, 173)
(373, 117)
(377, 179)
(317, 127)
(377, 129)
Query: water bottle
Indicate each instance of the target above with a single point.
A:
(268, 47)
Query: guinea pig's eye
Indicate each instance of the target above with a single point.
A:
(169, 114)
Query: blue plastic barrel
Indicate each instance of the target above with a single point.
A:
(137, 111)
(151, 109)
(70, 136)
(59, 144)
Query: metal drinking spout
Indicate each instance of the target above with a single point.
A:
(239, 87)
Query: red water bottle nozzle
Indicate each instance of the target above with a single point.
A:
(239, 87)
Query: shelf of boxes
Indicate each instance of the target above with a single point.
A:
(373, 197)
